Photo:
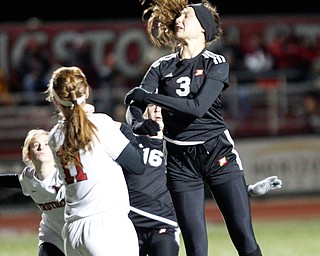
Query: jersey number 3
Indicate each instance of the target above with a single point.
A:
(184, 83)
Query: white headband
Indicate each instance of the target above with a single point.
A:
(68, 103)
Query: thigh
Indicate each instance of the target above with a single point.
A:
(102, 234)
(106, 233)
(233, 200)
(190, 210)
(183, 172)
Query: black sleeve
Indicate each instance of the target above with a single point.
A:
(134, 114)
(127, 131)
(131, 159)
(10, 181)
(196, 106)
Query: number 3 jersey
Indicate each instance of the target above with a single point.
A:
(189, 92)
(150, 200)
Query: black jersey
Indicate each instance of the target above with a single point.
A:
(192, 113)
(150, 200)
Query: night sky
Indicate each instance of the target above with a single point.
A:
(127, 9)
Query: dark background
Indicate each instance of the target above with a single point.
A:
(127, 9)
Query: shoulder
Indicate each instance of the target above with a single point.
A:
(165, 59)
(214, 57)
(27, 174)
(98, 116)
(101, 119)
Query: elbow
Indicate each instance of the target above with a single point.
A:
(199, 114)
(131, 160)
(198, 109)
(140, 170)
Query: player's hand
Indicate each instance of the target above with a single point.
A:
(146, 127)
(264, 186)
(138, 95)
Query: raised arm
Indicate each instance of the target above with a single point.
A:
(131, 158)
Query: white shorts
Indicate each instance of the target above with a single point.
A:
(100, 235)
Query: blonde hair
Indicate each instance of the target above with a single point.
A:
(161, 22)
(68, 86)
(32, 134)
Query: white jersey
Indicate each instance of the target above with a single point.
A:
(100, 185)
(44, 194)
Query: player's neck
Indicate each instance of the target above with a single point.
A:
(191, 49)
(44, 169)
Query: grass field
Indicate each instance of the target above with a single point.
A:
(294, 237)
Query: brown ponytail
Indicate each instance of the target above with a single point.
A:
(68, 87)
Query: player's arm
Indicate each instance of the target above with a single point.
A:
(127, 131)
(196, 105)
(141, 126)
(9, 181)
(264, 186)
(131, 158)
(134, 114)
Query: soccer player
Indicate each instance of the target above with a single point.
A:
(188, 85)
(41, 181)
(152, 211)
(89, 152)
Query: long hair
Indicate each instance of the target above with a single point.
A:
(161, 16)
(68, 86)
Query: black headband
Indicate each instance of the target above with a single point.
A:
(206, 20)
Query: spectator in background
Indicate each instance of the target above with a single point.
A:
(6, 99)
(293, 54)
(80, 55)
(111, 86)
(33, 70)
(311, 104)
(257, 59)
(231, 49)
(109, 71)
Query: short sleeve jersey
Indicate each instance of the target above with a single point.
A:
(99, 186)
(44, 194)
(194, 80)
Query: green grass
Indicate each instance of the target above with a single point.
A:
(18, 243)
(276, 238)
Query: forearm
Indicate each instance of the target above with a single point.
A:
(9, 181)
(196, 106)
(134, 114)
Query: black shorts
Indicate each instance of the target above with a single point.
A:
(164, 241)
(214, 162)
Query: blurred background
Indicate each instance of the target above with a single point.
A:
(272, 105)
